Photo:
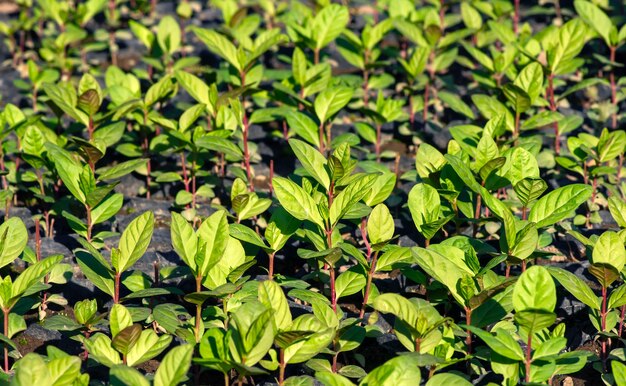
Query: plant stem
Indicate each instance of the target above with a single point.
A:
(529, 343)
(271, 185)
(366, 96)
(603, 314)
(368, 286)
(378, 140)
(116, 295)
(193, 180)
(6, 334)
(613, 88)
(89, 223)
(198, 308)
(246, 152)
(516, 18)
(621, 320)
(333, 298)
(516, 133)
(146, 149)
(281, 365)
(557, 143)
(183, 161)
(270, 270)
(321, 134)
(468, 321)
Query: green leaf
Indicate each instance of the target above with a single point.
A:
(353, 193)
(518, 97)
(611, 145)
(220, 45)
(174, 366)
(143, 33)
(445, 379)
(198, 90)
(380, 225)
(609, 249)
(330, 101)
(617, 207)
(135, 240)
(442, 268)
(596, 19)
(64, 371)
(184, 240)
(471, 17)
(530, 80)
(350, 282)
(243, 233)
(218, 144)
(213, 241)
(107, 208)
(525, 242)
(312, 160)
(550, 347)
(122, 375)
(529, 189)
(148, 346)
(119, 319)
(327, 378)
(271, 295)
(296, 201)
(424, 205)
(99, 347)
(67, 168)
(120, 170)
(89, 102)
(559, 204)
(619, 372)
(576, 286)
(502, 343)
(96, 271)
(13, 240)
(126, 338)
(168, 34)
(456, 103)
(534, 290)
(401, 370)
(33, 274)
(534, 320)
(32, 368)
(328, 24)
(304, 126)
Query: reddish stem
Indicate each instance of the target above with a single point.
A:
(529, 343)
(603, 313)
(468, 321)
(378, 141)
(368, 286)
(613, 88)
(6, 334)
(516, 18)
(116, 295)
(555, 125)
(270, 270)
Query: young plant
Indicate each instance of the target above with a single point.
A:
(326, 208)
(213, 256)
(132, 246)
(607, 257)
(129, 344)
(597, 20)
(13, 238)
(534, 300)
